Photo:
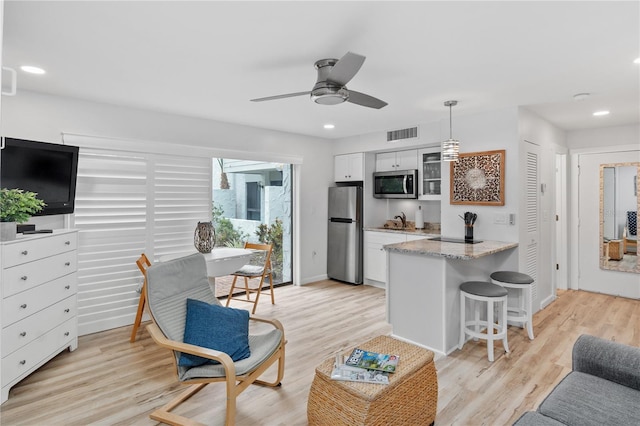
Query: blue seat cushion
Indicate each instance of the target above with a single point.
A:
(215, 327)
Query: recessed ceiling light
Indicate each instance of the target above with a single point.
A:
(600, 113)
(329, 126)
(637, 61)
(32, 70)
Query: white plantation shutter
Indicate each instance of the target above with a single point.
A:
(128, 204)
(182, 191)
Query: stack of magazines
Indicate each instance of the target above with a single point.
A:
(365, 366)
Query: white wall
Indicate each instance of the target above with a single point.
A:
(42, 117)
(597, 146)
(482, 132)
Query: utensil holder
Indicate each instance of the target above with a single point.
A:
(468, 232)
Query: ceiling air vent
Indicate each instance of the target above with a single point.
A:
(409, 133)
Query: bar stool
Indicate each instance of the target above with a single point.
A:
(482, 291)
(523, 282)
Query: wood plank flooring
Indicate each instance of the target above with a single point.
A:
(109, 381)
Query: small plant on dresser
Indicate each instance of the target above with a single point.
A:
(16, 206)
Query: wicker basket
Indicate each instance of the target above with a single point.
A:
(410, 398)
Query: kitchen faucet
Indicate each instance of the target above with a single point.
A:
(403, 219)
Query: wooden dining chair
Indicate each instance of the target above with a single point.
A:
(143, 263)
(254, 271)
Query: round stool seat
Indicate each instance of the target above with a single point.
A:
(483, 288)
(511, 277)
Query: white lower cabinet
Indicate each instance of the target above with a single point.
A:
(375, 258)
(39, 303)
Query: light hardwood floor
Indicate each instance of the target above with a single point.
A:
(109, 381)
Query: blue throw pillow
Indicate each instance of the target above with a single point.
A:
(215, 327)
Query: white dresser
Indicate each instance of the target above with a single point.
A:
(38, 317)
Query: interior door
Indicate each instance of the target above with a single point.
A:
(532, 218)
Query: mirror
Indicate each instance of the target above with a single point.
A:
(619, 206)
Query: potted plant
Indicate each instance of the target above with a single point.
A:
(16, 206)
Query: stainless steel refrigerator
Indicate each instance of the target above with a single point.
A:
(344, 248)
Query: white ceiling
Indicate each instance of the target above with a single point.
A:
(208, 58)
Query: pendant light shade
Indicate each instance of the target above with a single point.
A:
(450, 147)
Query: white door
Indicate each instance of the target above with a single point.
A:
(589, 275)
(532, 218)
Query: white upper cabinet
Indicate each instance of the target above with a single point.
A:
(348, 167)
(397, 160)
(429, 174)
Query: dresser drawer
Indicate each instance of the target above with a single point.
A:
(23, 360)
(23, 277)
(26, 303)
(23, 332)
(19, 252)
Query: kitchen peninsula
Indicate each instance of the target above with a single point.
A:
(423, 298)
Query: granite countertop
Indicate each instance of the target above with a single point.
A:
(410, 231)
(426, 247)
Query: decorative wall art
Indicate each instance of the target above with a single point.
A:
(478, 178)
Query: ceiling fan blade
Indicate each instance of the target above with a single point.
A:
(365, 100)
(288, 95)
(344, 70)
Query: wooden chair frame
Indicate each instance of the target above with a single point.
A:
(234, 384)
(266, 271)
(143, 263)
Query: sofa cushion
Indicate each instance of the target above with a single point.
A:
(581, 399)
(532, 418)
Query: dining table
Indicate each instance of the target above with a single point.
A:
(221, 261)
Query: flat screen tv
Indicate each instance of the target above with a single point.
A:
(48, 169)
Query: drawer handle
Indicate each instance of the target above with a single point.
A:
(24, 333)
(23, 278)
(67, 287)
(23, 306)
(66, 333)
(67, 263)
(24, 252)
(23, 362)
(67, 243)
(66, 311)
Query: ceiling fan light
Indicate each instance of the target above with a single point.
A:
(329, 96)
(450, 150)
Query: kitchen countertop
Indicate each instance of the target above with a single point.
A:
(426, 247)
(412, 231)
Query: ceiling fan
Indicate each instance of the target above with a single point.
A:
(330, 88)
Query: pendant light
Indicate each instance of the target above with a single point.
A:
(450, 147)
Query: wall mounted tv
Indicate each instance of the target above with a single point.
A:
(48, 169)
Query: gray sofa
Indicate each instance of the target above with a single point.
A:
(602, 389)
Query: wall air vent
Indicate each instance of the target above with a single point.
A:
(409, 133)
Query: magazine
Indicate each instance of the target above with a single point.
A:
(355, 374)
(372, 360)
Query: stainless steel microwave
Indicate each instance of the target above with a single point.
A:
(396, 184)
